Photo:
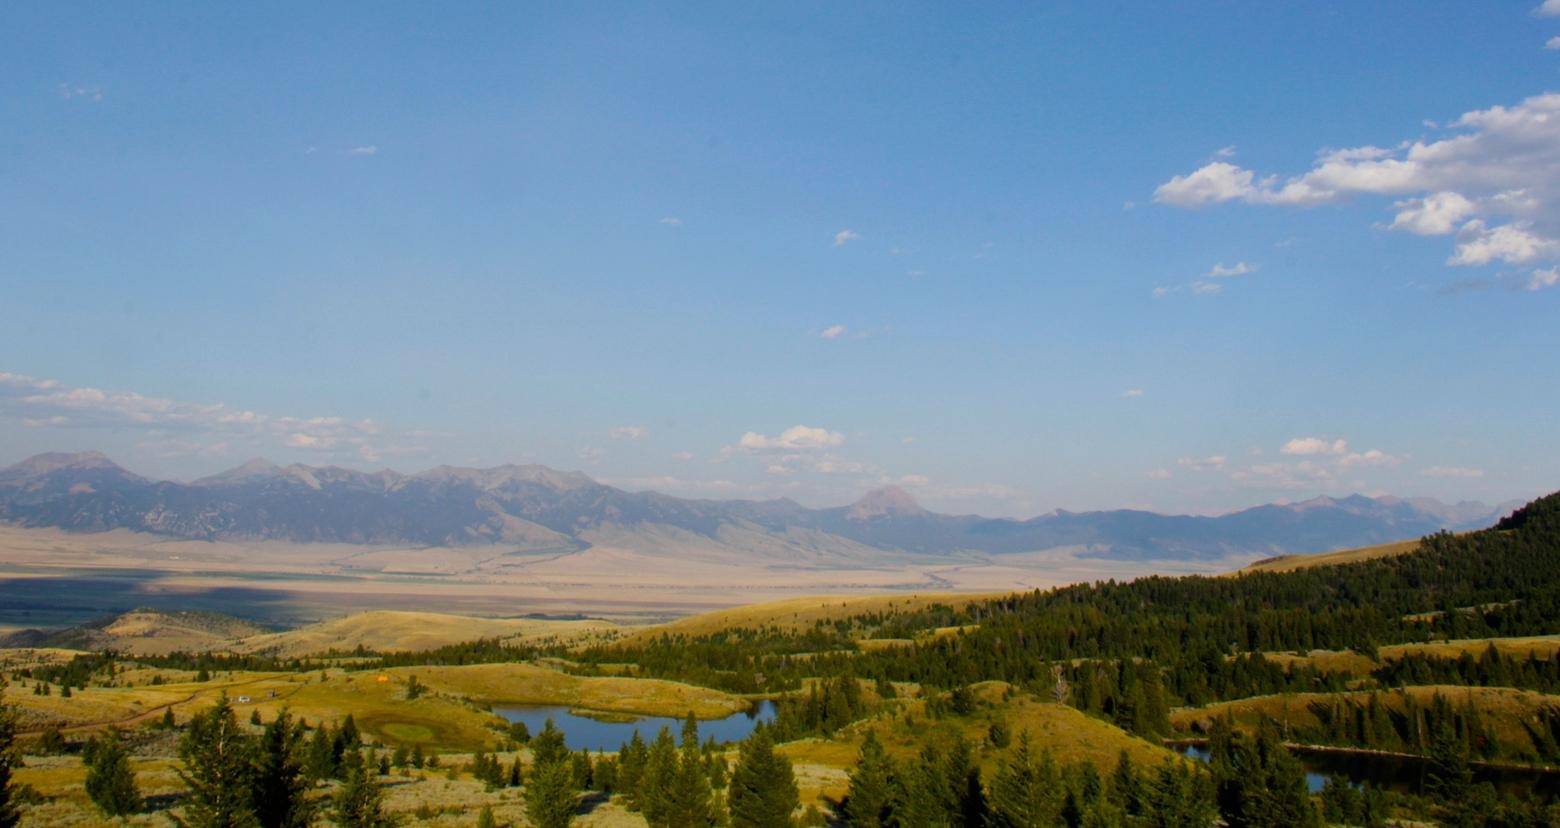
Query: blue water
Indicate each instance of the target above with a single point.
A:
(585, 733)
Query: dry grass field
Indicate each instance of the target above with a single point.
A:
(393, 631)
(1290, 563)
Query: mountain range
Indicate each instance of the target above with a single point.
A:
(538, 508)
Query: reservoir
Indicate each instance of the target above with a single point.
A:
(581, 732)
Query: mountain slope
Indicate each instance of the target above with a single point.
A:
(536, 508)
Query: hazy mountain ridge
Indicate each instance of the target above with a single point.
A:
(536, 507)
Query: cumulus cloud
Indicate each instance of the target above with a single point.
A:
(1549, 8)
(47, 403)
(1452, 471)
(1553, 43)
(833, 332)
(366, 149)
(1203, 464)
(628, 432)
(1314, 445)
(795, 438)
(1132, 393)
(1540, 279)
(1494, 185)
(671, 221)
(844, 237)
(1222, 271)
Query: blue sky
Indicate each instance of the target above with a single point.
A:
(1013, 257)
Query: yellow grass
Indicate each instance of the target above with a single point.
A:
(796, 614)
(1290, 563)
(1503, 709)
(391, 631)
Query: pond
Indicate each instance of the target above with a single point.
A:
(1402, 773)
(581, 732)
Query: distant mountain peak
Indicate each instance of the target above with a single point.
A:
(53, 461)
(258, 467)
(889, 501)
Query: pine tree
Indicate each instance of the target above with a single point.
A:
(691, 797)
(657, 780)
(10, 814)
(762, 791)
(218, 770)
(548, 746)
(868, 801)
(550, 795)
(359, 802)
(631, 768)
(110, 782)
(280, 786)
(485, 818)
(1026, 793)
(167, 719)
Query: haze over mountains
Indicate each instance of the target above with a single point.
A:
(538, 508)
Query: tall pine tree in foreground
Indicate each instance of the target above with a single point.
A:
(550, 791)
(1027, 791)
(280, 785)
(110, 782)
(359, 800)
(762, 791)
(691, 805)
(10, 814)
(868, 801)
(218, 758)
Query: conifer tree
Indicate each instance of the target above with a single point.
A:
(762, 791)
(485, 817)
(550, 793)
(359, 802)
(280, 786)
(691, 800)
(1026, 792)
(218, 769)
(110, 782)
(631, 768)
(869, 799)
(658, 779)
(10, 813)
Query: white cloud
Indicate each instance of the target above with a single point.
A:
(366, 149)
(1509, 243)
(844, 237)
(795, 438)
(1434, 215)
(833, 332)
(1452, 471)
(1550, 8)
(1202, 288)
(1159, 474)
(1314, 445)
(76, 92)
(1132, 393)
(45, 403)
(1369, 457)
(1213, 463)
(671, 221)
(1225, 152)
(1553, 43)
(1494, 182)
(628, 432)
(1540, 279)
(1223, 271)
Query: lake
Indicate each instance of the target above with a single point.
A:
(584, 733)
